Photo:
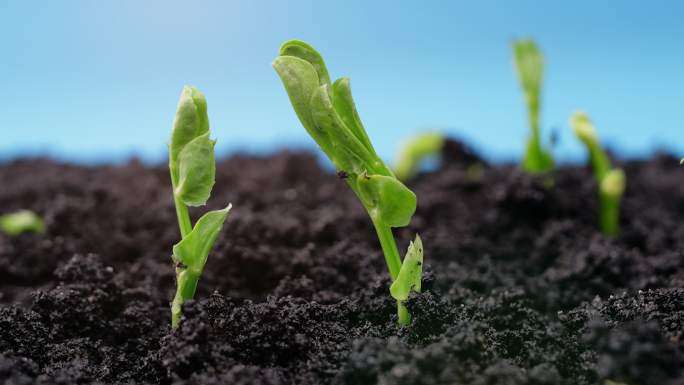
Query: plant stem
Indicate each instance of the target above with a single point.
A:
(609, 214)
(181, 209)
(389, 248)
(404, 316)
(187, 283)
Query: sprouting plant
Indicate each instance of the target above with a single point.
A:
(529, 65)
(416, 150)
(327, 112)
(611, 180)
(191, 162)
(21, 222)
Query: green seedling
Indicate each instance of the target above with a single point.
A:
(611, 180)
(191, 162)
(327, 112)
(22, 221)
(529, 65)
(413, 152)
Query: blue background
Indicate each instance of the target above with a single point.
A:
(96, 82)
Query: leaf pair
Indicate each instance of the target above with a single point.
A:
(328, 113)
(409, 278)
(191, 152)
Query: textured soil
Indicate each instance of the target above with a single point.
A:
(519, 286)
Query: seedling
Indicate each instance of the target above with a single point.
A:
(529, 65)
(191, 162)
(21, 222)
(611, 180)
(415, 151)
(327, 112)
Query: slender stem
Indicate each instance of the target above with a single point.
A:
(610, 214)
(187, 284)
(183, 217)
(389, 248)
(181, 209)
(404, 316)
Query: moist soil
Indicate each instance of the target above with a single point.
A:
(519, 286)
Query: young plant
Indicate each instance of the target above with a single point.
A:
(21, 222)
(529, 65)
(415, 151)
(611, 180)
(191, 162)
(327, 112)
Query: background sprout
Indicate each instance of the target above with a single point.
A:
(328, 113)
(529, 65)
(191, 162)
(611, 181)
(22, 221)
(413, 152)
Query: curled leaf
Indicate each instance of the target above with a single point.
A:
(190, 122)
(194, 249)
(410, 273)
(388, 199)
(196, 171)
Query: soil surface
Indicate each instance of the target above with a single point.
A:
(519, 287)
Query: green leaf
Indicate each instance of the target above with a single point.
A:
(22, 221)
(410, 273)
(194, 249)
(304, 51)
(387, 199)
(529, 63)
(196, 171)
(326, 119)
(301, 83)
(345, 107)
(190, 122)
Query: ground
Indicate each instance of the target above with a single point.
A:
(519, 286)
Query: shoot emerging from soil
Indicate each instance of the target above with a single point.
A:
(191, 162)
(611, 180)
(327, 112)
(416, 150)
(21, 222)
(529, 65)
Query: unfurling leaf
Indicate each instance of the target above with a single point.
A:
(410, 273)
(196, 171)
(190, 122)
(194, 249)
(387, 199)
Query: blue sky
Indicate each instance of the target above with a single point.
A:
(99, 81)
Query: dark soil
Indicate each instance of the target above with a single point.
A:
(519, 286)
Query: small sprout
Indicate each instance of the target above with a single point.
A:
(191, 162)
(413, 152)
(529, 65)
(330, 106)
(611, 180)
(21, 222)
(586, 133)
(409, 278)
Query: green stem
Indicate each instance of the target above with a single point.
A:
(610, 214)
(187, 283)
(389, 248)
(181, 209)
(404, 316)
